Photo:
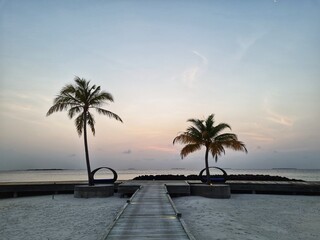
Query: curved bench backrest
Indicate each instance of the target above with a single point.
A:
(104, 181)
(214, 179)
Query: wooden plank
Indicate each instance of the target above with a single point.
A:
(148, 215)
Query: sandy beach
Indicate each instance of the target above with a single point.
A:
(249, 217)
(244, 216)
(63, 217)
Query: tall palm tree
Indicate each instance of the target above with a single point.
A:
(204, 133)
(79, 99)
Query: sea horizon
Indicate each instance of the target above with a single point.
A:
(49, 175)
(144, 169)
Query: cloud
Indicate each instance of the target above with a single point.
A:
(127, 151)
(189, 76)
(274, 116)
(26, 106)
(203, 58)
(246, 42)
(161, 149)
(258, 137)
(280, 119)
(192, 74)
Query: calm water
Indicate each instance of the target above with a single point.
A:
(78, 175)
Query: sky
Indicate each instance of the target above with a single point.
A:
(254, 64)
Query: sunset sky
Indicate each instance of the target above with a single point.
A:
(254, 64)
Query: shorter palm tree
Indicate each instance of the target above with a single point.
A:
(204, 133)
(79, 99)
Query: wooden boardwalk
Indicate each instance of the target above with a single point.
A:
(149, 214)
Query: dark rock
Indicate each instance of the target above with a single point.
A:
(240, 177)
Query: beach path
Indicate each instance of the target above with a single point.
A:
(150, 214)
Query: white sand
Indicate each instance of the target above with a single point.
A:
(63, 217)
(251, 217)
(243, 216)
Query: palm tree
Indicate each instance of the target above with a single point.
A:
(79, 99)
(204, 133)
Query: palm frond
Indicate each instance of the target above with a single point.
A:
(216, 150)
(193, 131)
(92, 92)
(52, 109)
(79, 123)
(209, 121)
(98, 97)
(81, 83)
(91, 122)
(186, 138)
(106, 96)
(109, 114)
(226, 137)
(68, 89)
(215, 131)
(235, 145)
(57, 108)
(189, 148)
(197, 123)
(82, 89)
(73, 110)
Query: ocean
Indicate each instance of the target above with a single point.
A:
(81, 175)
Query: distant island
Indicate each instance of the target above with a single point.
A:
(238, 177)
(284, 168)
(46, 169)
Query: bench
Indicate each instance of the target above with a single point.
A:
(104, 181)
(215, 178)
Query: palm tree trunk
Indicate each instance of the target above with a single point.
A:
(207, 166)
(90, 180)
